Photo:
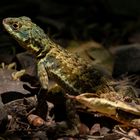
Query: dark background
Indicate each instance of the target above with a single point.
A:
(105, 21)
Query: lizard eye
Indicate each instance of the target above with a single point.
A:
(16, 26)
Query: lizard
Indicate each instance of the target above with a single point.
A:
(72, 73)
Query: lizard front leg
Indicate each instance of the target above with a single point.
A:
(42, 106)
(42, 75)
(71, 126)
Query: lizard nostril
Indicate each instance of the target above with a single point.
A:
(4, 21)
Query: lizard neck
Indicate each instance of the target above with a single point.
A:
(45, 45)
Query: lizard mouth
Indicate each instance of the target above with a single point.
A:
(7, 26)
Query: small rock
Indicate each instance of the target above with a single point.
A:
(127, 60)
(95, 129)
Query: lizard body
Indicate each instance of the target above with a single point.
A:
(72, 73)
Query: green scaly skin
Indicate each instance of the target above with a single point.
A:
(72, 73)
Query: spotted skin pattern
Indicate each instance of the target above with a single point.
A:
(72, 73)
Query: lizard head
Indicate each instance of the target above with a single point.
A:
(25, 32)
